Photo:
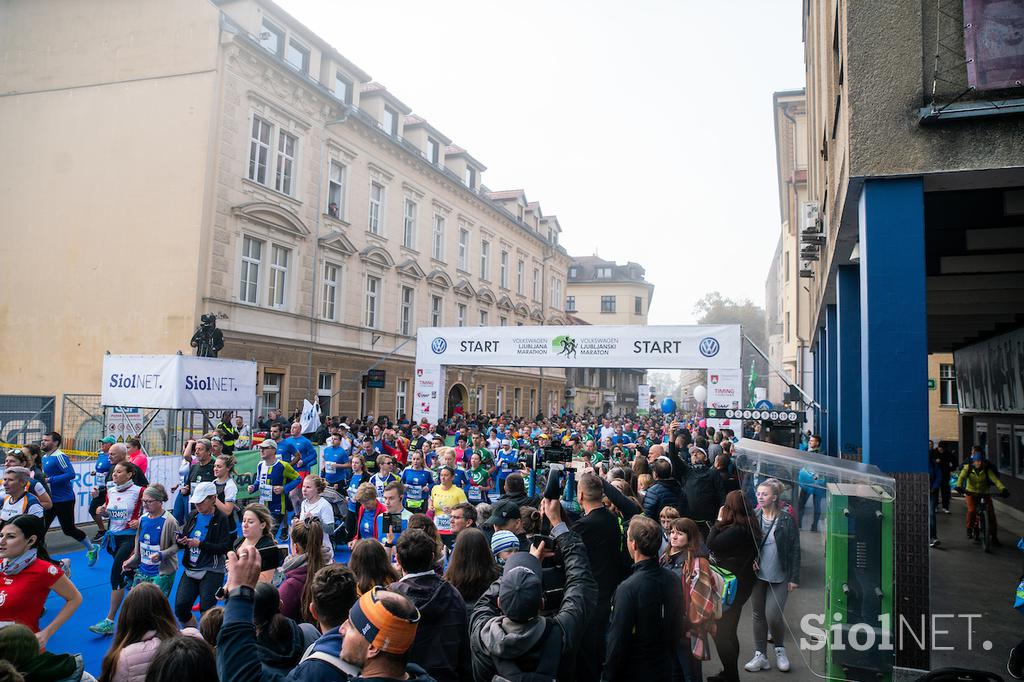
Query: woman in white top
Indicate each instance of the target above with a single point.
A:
(227, 489)
(313, 504)
(21, 458)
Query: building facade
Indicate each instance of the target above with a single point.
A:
(294, 197)
(603, 292)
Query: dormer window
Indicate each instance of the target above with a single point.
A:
(433, 151)
(603, 273)
(390, 121)
(272, 37)
(342, 88)
(297, 56)
(470, 177)
(574, 272)
(519, 211)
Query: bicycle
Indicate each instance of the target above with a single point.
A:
(979, 528)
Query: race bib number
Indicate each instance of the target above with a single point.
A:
(148, 549)
(414, 492)
(330, 467)
(118, 515)
(193, 552)
(474, 494)
(443, 522)
(101, 480)
(266, 492)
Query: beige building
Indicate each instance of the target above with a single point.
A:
(943, 414)
(218, 156)
(603, 292)
(791, 326)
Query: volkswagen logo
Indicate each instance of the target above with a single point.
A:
(439, 345)
(709, 347)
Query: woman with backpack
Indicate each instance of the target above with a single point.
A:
(778, 574)
(733, 544)
(686, 556)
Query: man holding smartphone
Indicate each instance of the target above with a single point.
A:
(395, 519)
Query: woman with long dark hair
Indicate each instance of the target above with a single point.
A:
(371, 566)
(280, 641)
(306, 559)
(29, 574)
(472, 568)
(733, 544)
(145, 621)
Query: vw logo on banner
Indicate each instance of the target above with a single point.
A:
(709, 347)
(439, 345)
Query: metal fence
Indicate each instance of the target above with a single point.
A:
(25, 418)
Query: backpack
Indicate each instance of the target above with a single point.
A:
(547, 666)
(726, 581)
(339, 505)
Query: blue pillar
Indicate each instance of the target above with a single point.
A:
(832, 381)
(823, 342)
(894, 325)
(816, 392)
(848, 350)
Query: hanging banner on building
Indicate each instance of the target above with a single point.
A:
(990, 375)
(992, 44)
(643, 399)
(641, 347)
(177, 382)
(428, 388)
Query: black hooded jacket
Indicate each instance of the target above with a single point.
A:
(282, 653)
(441, 646)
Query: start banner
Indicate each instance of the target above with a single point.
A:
(178, 382)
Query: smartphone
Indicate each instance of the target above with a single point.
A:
(553, 491)
(546, 540)
(271, 558)
(392, 522)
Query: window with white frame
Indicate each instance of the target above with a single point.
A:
(517, 401)
(503, 321)
(947, 386)
(390, 121)
(437, 250)
(285, 171)
(483, 318)
(536, 284)
(372, 301)
(406, 316)
(470, 177)
(556, 291)
(342, 88)
(272, 37)
(485, 259)
(521, 277)
(463, 249)
(325, 392)
(409, 226)
(272, 382)
(330, 291)
(603, 273)
(499, 393)
(252, 257)
(297, 56)
(574, 272)
(259, 150)
(479, 393)
(336, 191)
(401, 397)
(460, 314)
(276, 292)
(533, 402)
(503, 270)
(638, 305)
(433, 151)
(607, 304)
(376, 207)
(570, 304)
(436, 308)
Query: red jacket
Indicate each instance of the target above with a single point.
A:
(376, 512)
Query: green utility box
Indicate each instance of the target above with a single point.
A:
(859, 583)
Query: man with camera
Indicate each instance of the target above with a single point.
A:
(508, 636)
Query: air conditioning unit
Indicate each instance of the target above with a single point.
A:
(810, 217)
(570, 393)
(809, 252)
(815, 238)
(805, 269)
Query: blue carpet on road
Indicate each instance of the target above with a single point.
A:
(94, 584)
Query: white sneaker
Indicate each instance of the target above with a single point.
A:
(758, 662)
(781, 660)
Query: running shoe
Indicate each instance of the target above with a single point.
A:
(758, 662)
(65, 566)
(104, 627)
(99, 536)
(781, 660)
(92, 555)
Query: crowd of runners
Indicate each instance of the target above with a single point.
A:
(479, 548)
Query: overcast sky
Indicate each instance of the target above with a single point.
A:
(645, 126)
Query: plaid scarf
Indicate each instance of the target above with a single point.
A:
(699, 597)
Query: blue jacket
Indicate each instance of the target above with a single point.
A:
(60, 475)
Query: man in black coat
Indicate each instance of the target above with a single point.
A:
(647, 623)
(704, 490)
(666, 491)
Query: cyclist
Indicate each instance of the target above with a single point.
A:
(976, 477)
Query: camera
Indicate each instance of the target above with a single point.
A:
(556, 454)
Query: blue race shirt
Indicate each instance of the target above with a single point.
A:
(198, 532)
(301, 445)
(333, 457)
(414, 480)
(353, 486)
(61, 476)
(150, 530)
(506, 461)
(366, 526)
(102, 470)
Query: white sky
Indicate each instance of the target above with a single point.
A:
(644, 125)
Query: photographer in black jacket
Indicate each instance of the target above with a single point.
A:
(507, 633)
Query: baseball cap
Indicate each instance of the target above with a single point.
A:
(977, 457)
(503, 512)
(268, 443)
(109, 440)
(506, 441)
(202, 491)
(343, 425)
(502, 540)
(519, 587)
(381, 628)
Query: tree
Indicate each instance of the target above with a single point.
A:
(713, 308)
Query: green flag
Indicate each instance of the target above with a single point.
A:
(752, 399)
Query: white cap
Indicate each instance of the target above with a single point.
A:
(506, 441)
(343, 425)
(268, 443)
(202, 491)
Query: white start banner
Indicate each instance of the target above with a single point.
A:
(178, 382)
(428, 386)
(641, 347)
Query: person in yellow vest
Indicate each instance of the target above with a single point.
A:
(230, 432)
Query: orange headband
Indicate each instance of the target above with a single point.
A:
(381, 628)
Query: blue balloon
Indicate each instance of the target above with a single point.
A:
(668, 406)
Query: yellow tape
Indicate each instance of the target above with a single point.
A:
(85, 454)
